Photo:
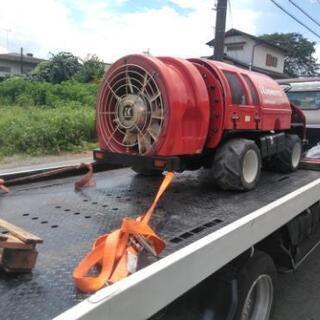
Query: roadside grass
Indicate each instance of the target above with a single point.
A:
(36, 130)
(24, 92)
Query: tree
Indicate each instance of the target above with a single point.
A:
(60, 67)
(41, 72)
(299, 60)
(91, 70)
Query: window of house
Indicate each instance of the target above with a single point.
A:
(5, 69)
(271, 61)
(238, 91)
(252, 89)
(234, 47)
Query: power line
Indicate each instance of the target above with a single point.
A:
(294, 18)
(304, 12)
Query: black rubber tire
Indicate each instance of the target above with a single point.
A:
(147, 172)
(282, 162)
(228, 164)
(261, 264)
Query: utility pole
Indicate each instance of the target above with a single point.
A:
(220, 29)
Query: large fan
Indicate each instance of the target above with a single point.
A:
(152, 107)
(130, 113)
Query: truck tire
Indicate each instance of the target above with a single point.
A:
(237, 165)
(147, 172)
(289, 159)
(256, 288)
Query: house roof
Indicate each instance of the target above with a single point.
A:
(236, 32)
(15, 57)
(241, 64)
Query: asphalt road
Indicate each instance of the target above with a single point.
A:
(298, 294)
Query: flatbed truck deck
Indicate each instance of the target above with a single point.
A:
(204, 229)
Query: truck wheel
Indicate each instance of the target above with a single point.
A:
(256, 287)
(289, 159)
(237, 165)
(147, 172)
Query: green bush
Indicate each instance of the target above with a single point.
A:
(38, 117)
(26, 92)
(37, 130)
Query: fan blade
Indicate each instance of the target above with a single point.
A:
(128, 81)
(144, 143)
(140, 144)
(147, 139)
(157, 114)
(154, 97)
(145, 82)
(154, 130)
(111, 90)
(129, 138)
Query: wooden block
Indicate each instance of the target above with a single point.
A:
(17, 260)
(12, 242)
(20, 233)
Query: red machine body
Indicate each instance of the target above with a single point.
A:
(242, 100)
(174, 107)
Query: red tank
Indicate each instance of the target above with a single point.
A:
(179, 113)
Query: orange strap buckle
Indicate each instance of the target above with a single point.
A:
(116, 253)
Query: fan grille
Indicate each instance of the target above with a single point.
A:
(130, 110)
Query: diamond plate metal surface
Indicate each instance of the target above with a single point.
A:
(69, 221)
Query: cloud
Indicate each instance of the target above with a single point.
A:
(3, 50)
(100, 27)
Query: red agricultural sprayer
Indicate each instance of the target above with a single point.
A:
(160, 114)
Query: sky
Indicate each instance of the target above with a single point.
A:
(113, 28)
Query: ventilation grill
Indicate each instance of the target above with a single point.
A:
(130, 111)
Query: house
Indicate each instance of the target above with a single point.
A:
(15, 63)
(250, 52)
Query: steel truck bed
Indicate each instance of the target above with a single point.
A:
(193, 215)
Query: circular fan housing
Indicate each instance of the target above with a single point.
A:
(152, 106)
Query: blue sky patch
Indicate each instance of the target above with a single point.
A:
(133, 6)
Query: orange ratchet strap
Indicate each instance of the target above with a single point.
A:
(3, 187)
(86, 180)
(116, 253)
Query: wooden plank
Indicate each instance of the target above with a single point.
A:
(14, 243)
(20, 233)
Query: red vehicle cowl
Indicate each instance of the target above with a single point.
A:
(159, 108)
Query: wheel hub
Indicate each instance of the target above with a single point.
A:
(296, 155)
(250, 166)
(131, 112)
(257, 305)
